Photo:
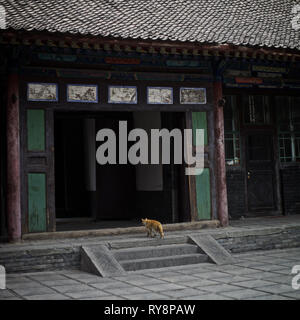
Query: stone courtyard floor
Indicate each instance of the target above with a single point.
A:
(259, 275)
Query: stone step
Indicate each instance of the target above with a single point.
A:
(154, 251)
(162, 262)
(146, 242)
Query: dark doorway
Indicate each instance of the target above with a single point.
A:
(260, 170)
(119, 192)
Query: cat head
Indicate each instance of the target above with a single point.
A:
(144, 220)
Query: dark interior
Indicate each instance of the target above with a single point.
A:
(117, 196)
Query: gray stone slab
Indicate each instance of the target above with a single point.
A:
(270, 297)
(54, 283)
(219, 288)
(147, 296)
(243, 294)
(211, 296)
(72, 288)
(277, 288)
(213, 249)
(51, 296)
(183, 292)
(33, 291)
(295, 294)
(124, 292)
(254, 283)
(6, 294)
(109, 285)
(164, 287)
(232, 279)
(200, 282)
(100, 261)
(87, 294)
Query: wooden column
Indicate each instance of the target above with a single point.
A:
(13, 160)
(222, 206)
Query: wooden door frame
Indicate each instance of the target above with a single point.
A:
(276, 169)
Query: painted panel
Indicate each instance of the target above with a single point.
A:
(35, 130)
(203, 195)
(159, 95)
(42, 92)
(192, 95)
(199, 120)
(37, 202)
(122, 94)
(82, 93)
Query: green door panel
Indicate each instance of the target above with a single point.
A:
(37, 202)
(36, 130)
(199, 122)
(203, 195)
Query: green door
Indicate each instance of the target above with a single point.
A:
(203, 195)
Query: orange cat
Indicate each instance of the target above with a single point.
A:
(153, 225)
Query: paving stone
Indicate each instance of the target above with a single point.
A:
(183, 292)
(163, 287)
(24, 285)
(200, 282)
(243, 294)
(71, 288)
(220, 288)
(104, 298)
(6, 294)
(86, 294)
(254, 283)
(109, 285)
(283, 279)
(211, 275)
(270, 297)
(261, 275)
(146, 281)
(147, 296)
(179, 278)
(211, 296)
(277, 288)
(242, 271)
(47, 277)
(54, 283)
(268, 267)
(33, 291)
(295, 294)
(54, 296)
(232, 279)
(126, 291)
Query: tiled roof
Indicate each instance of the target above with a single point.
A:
(239, 22)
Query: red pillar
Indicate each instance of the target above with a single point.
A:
(13, 160)
(222, 205)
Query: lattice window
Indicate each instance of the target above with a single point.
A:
(232, 134)
(288, 119)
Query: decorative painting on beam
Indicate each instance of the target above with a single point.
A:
(122, 94)
(192, 95)
(159, 95)
(42, 92)
(82, 93)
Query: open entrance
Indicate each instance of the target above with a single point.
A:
(89, 195)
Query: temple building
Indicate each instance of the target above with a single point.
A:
(71, 68)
